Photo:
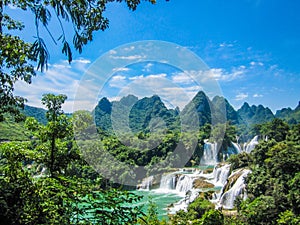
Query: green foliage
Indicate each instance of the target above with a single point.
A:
(240, 160)
(151, 217)
(260, 152)
(13, 131)
(15, 185)
(196, 210)
(70, 193)
(38, 113)
(288, 218)
(222, 108)
(223, 134)
(294, 192)
(54, 139)
(102, 114)
(199, 109)
(276, 129)
(291, 116)
(132, 115)
(255, 114)
(15, 64)
(211, 217)
(108, 208)
(83, 125)
(273, 186)
(260, 211)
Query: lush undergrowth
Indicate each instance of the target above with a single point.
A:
(47, 180)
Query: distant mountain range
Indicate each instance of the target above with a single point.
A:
(150, 112)
(131, 113)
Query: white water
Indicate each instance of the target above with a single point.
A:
(219, 175)
(184, 203)
(184, 183)
(238, 189)
(168, 182)
(237, 147)
(247, 147)
(181, 184)
(210, 153)
(252, 144)
(147, 183)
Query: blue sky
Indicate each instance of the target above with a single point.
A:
(252, 49)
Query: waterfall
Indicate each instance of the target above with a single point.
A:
(247, 147)
(238, 189)
(184, 203)
(146, 183)
(210, 153)
(184, 183)
(252, 144)
(221, 175)
(168, 181)
(237, 147)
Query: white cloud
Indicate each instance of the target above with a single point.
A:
(217, 74)
(224, 45)
(136, 77)
(118, 81)
(112, 52)
(235, 73)
(130, 48)
(82, 60)
(160, 75)
(170, 93)
(60, 78)
(147, 68)
(256, 63)
(129, 57)
(257, 96)
(182, 78)
(121, 69)
(241, 96)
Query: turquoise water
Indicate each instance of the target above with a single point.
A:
(162, 201)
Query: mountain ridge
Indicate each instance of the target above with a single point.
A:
(151, 111)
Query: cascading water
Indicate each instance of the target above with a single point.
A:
(184, 183)
(238, 189)
(221, 175)
(252, 144)
(237, 147)
(146, 183)
(247, 147)
(210, 153)
(181, 183)
(168, 182)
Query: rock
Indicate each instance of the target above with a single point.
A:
(201, 183)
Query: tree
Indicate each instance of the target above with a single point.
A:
(276, 129)
(64, 195)
(151, 218)
(17, 57)
(212, 217)
(260, 211)
(55, 137)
